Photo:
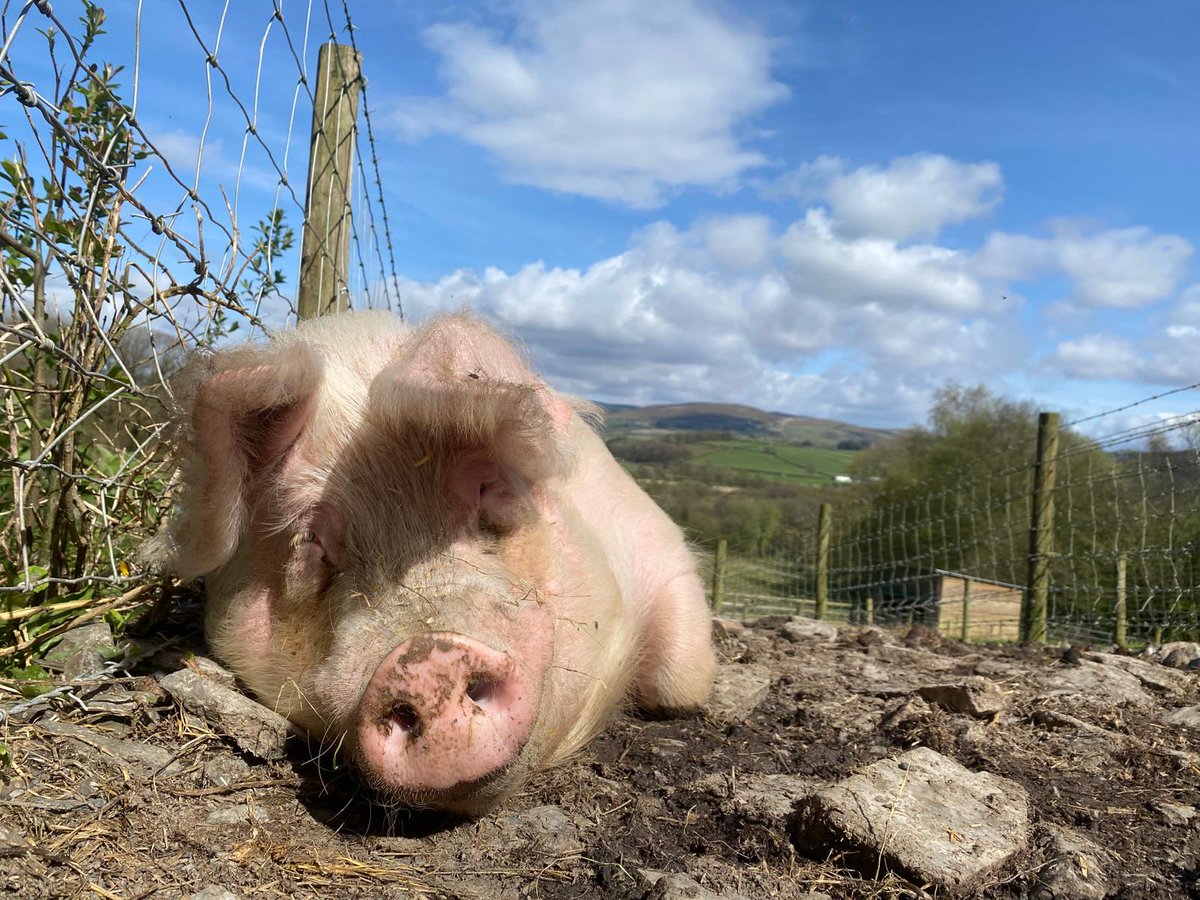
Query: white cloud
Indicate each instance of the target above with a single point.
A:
(1097, 356)
(913, 196)
(877, 269)
(1121, 268)
(620, 100)
(685, 315)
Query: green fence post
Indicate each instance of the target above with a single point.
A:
(1119, 636)
(718, 577)
(966, 615)
(1041, 532)
(823, 526)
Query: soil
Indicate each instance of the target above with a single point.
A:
(80, 818)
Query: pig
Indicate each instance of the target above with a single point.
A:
(420, 553)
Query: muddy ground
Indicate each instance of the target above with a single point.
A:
(121, 793)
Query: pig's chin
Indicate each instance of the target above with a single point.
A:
(474, 798)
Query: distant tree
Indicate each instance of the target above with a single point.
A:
(956, 494)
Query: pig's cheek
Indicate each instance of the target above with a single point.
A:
(243, 639)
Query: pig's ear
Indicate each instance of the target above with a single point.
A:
(465, 388)
(243, 411)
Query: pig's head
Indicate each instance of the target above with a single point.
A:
(376, 514)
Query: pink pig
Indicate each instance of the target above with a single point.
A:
(420, 553)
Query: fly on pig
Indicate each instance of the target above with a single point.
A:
(416, 549)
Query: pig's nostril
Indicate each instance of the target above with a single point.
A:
(404, 716)
(483, 691)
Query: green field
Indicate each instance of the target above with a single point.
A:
(791, 462)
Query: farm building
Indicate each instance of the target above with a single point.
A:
(992, 608)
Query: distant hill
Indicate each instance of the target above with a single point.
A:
(742, 420)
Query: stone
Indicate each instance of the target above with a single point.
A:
(737, 692)
(677, 886)
(726, 628)
(1188, 716)
(239, 814)
(1179, 654)
(252, 726)
(202, 665)
(82, 651)
(145, 756)
(801, 629)
(1074, 868)
(922, 815)
(1152, 675)
(1092, 682)
(213, 892)
(1175, 814)
(761, 799)
(225, 770)
(973, 695)
(548, 829)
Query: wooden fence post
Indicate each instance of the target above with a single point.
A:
(1119, 636)
(966, 614)
(823, 527)
(718, 577)
(870, 618)
(325, 250)
(1041, 532)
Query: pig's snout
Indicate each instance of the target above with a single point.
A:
(443, 711)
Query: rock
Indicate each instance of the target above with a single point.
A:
(802, 629)
(11, 839)
(252, 726)
(1188, 716)
(726, 628)
(1074, 868)
(676, 886)
(996, 668)
(762, 799)
(1092, 682)
(213, 892)
(202, 665)
(922, 815)
(225, 770)
(548, 829)
(973, 695)
(1175, 814)
(239, 814)
(145, 756)
(737, 692)
(1151, 674)
(82, 651)
(1179, 654)
(870, 635)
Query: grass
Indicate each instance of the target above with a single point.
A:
(790, 462)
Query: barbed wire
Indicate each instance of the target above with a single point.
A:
(126, 246)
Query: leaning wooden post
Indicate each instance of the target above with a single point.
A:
(718, 576)
(824, 519)
(966, 615)
(1041, 532)
(1119, 636)
(325, 251)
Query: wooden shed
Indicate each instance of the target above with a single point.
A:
(992, 608)
(939, 599)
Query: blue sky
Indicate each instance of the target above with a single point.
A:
(822, 208)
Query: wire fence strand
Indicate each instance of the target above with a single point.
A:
(136, 226)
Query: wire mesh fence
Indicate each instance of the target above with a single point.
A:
(961, 551)
(136, 225)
